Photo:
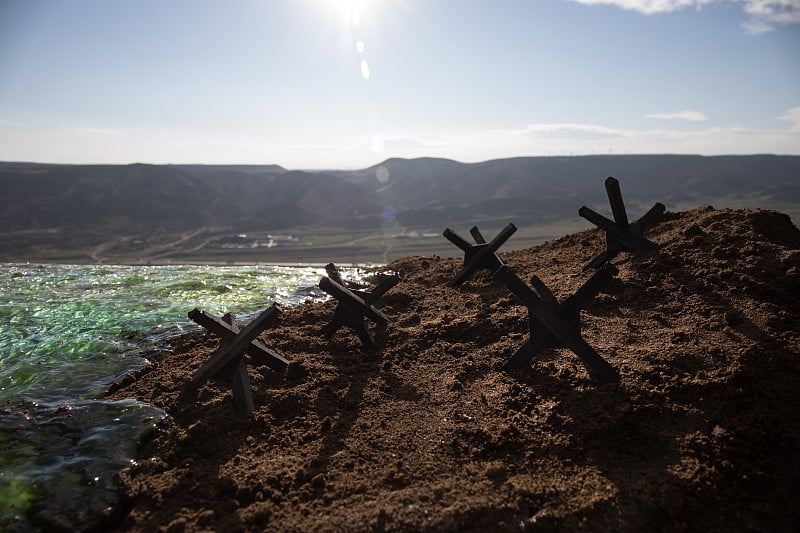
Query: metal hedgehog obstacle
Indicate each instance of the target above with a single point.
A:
(354, 306)
(228, 362)
(479, 255)
(621, 236)
(551, 323)
(554, 324)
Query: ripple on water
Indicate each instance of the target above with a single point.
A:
(58, 461)
(66, 332)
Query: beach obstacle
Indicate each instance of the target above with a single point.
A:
(228, 362)
(621, 236)
(555, 324)
(481, 255)
(552, 324)
(355, 305)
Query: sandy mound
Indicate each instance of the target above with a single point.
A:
(702, 432)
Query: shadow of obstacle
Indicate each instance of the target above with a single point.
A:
(360, 383)
(565, 440)
(699, 435)
(196, 423)
(699, 455)
(326, 401)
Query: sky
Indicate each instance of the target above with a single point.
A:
(345, 84)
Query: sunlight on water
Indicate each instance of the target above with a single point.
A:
(70, 330)
(66, 332)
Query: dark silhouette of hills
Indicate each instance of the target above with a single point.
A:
(544, 188)
(174, 197)
(418, 192)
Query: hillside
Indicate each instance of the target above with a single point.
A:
(428, 434)
(140, 213)
(536, 188)
(130, 198)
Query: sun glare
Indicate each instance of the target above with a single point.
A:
(351, 11)
(351, 15)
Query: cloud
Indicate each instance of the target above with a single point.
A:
(572, 127)
(693, 116)
(571, 138)
(793, 116)
(96, 131)
(763, 15)
(571, 130)
(60, 145)
(648, 7)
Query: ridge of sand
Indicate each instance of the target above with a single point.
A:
(701, 433)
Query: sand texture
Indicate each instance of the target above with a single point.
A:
(702, 432)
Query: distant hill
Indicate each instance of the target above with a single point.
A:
(139, 197)
(101, 202)
(553, 187)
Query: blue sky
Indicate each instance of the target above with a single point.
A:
(349, 83)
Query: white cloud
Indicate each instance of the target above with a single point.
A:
(96, 131)
(60, 145)
(763, 15)
(542, 139)
(693, 116)
(783, 11)
(571, 138)
(757, 27)
(793, 116)
(572, 128)
(648, 7)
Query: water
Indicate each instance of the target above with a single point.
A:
(67, 332)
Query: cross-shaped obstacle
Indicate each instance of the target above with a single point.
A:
(228, 362)
(556, 325)
(355, 305)
(479, 255)
(621, 236)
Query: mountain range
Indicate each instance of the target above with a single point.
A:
(425, 193)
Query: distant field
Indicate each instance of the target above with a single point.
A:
(317, 245)
(314, 245)
(194, 213)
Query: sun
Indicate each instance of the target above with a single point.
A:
(351, 11)
(353, 14)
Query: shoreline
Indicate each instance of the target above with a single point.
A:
(193, 263)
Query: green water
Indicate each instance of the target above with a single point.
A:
(67, 332)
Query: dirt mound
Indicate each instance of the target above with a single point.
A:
(701, 433)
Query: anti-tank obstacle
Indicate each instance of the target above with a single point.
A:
(479, 255)
(228, 362)
(552, 324)
(557, 325)
(355, 305)
(621, 236)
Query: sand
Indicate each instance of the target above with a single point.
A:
(702, 432)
